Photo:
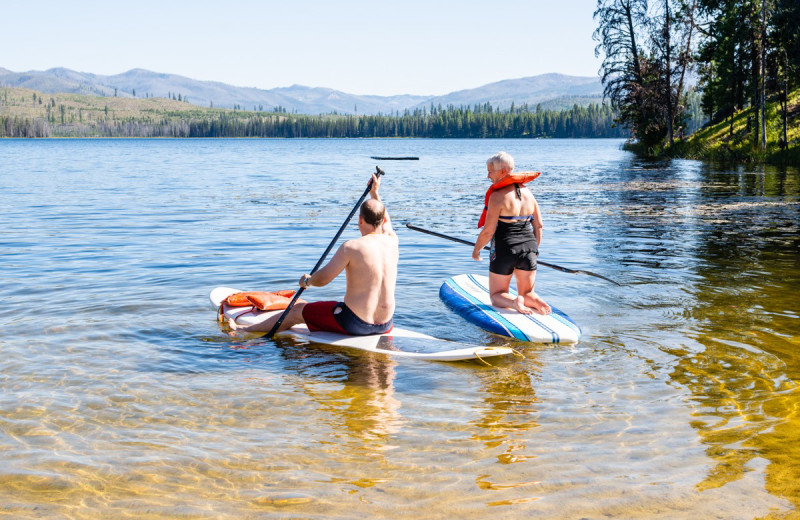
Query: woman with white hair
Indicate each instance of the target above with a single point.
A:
(511, 220)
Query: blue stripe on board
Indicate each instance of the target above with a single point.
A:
(566, 320)
(531, 317)
(473, 304)
(491, 312)
(461, 304)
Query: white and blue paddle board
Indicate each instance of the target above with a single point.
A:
(397, 342)
(468, 296)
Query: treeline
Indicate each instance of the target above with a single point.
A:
(39, 127)
(456, 122)
(480, 121)
(749, 54)
(745, 53)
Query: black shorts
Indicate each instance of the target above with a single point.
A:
(504, 260)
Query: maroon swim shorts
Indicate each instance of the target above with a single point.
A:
(319, 316)
(337, 317)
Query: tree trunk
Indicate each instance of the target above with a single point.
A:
(763, 83)
(785, 100)
(636, 69)
(687, 51)
(668, 70)
(733, 115)
(756, 80)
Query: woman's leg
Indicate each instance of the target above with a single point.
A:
(525, 283)
(498, 289)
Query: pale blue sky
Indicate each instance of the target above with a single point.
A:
(357, 46)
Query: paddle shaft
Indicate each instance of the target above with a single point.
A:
(546, 264)
(278, 323)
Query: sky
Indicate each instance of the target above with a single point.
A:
(421, 47)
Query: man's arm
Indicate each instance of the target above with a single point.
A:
(329, 271)
(374, 193)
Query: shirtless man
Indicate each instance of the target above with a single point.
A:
(370, 265)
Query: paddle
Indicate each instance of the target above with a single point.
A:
(467, 242)
(275, 327)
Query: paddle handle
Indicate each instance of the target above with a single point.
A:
(278, 323)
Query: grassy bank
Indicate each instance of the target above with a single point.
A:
(735, 141)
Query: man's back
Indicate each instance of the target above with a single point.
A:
(371, 276)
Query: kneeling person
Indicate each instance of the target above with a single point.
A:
(370, 265)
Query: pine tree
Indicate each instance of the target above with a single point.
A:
(621, 25)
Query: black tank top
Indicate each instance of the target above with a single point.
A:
(516, 237)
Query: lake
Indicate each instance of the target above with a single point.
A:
(121, 396)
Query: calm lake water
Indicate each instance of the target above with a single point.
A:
(121, 397)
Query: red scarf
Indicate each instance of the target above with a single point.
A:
(511, 178)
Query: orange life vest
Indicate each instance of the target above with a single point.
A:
(261, 300)
(508, 180)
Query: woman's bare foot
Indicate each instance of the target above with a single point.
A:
(519, 305)
(538, 305)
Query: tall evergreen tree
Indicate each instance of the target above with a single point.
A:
(629, 77)
(783, 32)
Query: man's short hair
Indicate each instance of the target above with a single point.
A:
(373, 212)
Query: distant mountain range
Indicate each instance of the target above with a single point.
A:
(552, 91)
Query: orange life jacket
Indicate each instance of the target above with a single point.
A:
(508, 180)
(261, 300)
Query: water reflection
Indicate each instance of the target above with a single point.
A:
(508, 412)
(741, 397)
(745, 379)
(361, 407)
(729, 240)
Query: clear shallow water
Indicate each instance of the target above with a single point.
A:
(119, 394)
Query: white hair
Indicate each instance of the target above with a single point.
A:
(501, 160)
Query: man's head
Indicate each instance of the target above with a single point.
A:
(373, 213)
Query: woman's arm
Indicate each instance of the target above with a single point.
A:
(538, 224)
(490, 226)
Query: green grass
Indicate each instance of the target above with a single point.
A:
(718, 143)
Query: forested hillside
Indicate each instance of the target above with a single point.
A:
(731, 139)
(553, 91)
(745, 52)
(28, 113)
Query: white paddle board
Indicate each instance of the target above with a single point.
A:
(468, 296)
(397, 342)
